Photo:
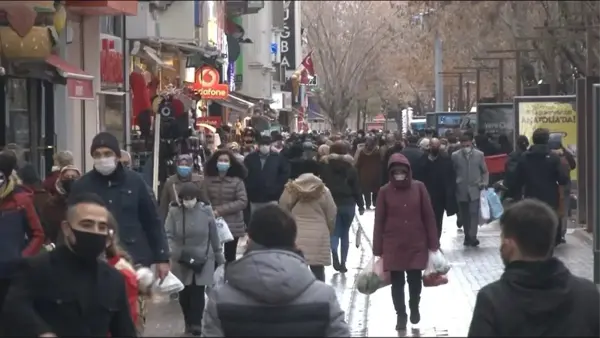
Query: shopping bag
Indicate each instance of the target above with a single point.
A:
(169, 285)
(494, 203)
(373, 277)
(219, 276)
(484, 207)
(223, 230)
(437, 268)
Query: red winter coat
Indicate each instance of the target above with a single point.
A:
(405, 228)
(131, 284)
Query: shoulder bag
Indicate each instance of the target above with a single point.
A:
(190, 260)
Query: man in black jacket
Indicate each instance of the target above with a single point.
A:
(71, 292)
(537, 296)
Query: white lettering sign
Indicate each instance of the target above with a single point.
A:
(287, 41)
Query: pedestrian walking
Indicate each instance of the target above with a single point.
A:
(61, 160)
(368, 165)
(341, 178)
(270, 291)
(404, 233)
(471, 178)
(54, 212)
(398, 147)
(313, 208)
(225, 189)
(437, 173)
(31, 181)
(184, 173)
(130, 201)
(268, 172)
(70, 291)
(195, 248)
(537, 295)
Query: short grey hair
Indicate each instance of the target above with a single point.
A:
(63, 158)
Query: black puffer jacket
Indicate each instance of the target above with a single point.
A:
(340, 176)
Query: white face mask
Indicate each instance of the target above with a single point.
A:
(264, 149)
(189, 204)
(106, 165)
(468, 149)
(399, 177)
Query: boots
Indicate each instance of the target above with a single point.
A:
(401, 322)
(413, 304)
(336, 261)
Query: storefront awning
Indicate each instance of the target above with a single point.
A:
(80, 85)
(236, 103)
(153, 55)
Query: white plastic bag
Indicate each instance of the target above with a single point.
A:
(437, 268)
(373, 277)
(169, 285)
(223, 230)
(484, 206)
(219, 276)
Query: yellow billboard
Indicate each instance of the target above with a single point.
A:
(558, 117)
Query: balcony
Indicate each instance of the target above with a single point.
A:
(241, 7)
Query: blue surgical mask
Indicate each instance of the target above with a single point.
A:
(222, 167)
(184, 170)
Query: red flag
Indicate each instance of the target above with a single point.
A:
(308, 64)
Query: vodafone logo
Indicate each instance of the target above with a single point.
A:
(208, 77)
(208, 86)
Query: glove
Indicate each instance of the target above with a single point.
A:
(361, 211)
(219, 258)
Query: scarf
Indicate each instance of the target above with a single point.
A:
(8, 188)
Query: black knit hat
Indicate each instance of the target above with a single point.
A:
(8, 163)
(108, 140)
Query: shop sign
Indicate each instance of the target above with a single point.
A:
(80, 89)
(287, 42)
(208, 86)
(111, 65)
(277, 99)
(214, 121)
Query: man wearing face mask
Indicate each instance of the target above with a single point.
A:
(471, 177)
(131, 202)
(268, 172)
(537, 295)
(437, 173)
(68, 292)
(173, 184)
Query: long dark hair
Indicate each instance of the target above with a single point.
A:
(236, 168)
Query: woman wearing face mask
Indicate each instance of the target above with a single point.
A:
(195, 247)
(172, 185)
(404, 233)
(225, 189)
(54, 211)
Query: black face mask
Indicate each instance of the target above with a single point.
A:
(434, 152)
(88, 246)
(67, 184)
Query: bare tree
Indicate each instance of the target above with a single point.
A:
(349, 39)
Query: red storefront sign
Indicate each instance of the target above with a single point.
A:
(208, 86)
(111, 65)
(214, 121)
(80, 89)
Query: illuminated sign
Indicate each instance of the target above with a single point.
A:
(208, 86)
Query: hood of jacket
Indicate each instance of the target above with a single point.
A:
(307, 187)
(270, 276)
(398, 158)
(542, 288)
(339, 162)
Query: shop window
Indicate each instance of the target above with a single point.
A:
(112, 116)
(112, 25)
(17, 120)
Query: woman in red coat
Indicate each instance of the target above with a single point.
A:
(405, 231)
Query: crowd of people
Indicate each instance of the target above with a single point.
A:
(84, 235)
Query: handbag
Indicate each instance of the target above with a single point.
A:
(190, 260)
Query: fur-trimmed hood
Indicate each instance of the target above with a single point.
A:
(307, 187)
(337, 157)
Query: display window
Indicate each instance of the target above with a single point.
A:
(112, 115)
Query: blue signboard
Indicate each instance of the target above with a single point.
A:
(274, 48)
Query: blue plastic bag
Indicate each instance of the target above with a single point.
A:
(495, 204)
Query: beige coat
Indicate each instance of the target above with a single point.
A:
(227, 196)
(314, 210)
(170, 189)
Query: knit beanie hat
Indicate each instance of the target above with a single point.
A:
(108, 140)
(8, 163)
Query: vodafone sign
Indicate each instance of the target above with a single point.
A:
(208, 86)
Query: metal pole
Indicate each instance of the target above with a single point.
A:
(460, 102)
(468, 94)
(500, 80)
(518, 83)
(478, 85)
(439, 82)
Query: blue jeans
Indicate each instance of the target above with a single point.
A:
(341, 233)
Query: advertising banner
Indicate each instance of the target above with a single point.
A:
(497, 119)
(558, 114)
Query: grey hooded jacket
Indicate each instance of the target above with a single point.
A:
(272, 292)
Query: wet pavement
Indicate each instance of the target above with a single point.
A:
(445, 310)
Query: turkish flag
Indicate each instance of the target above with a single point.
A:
(308, 64)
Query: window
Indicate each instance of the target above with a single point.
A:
(112, 116)
(112, 25)
(17, 120)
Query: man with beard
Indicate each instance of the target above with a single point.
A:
(438, 175)
(368, 165)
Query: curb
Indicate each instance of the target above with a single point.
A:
(584, 236)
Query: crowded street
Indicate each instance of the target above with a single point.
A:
(449, 308)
